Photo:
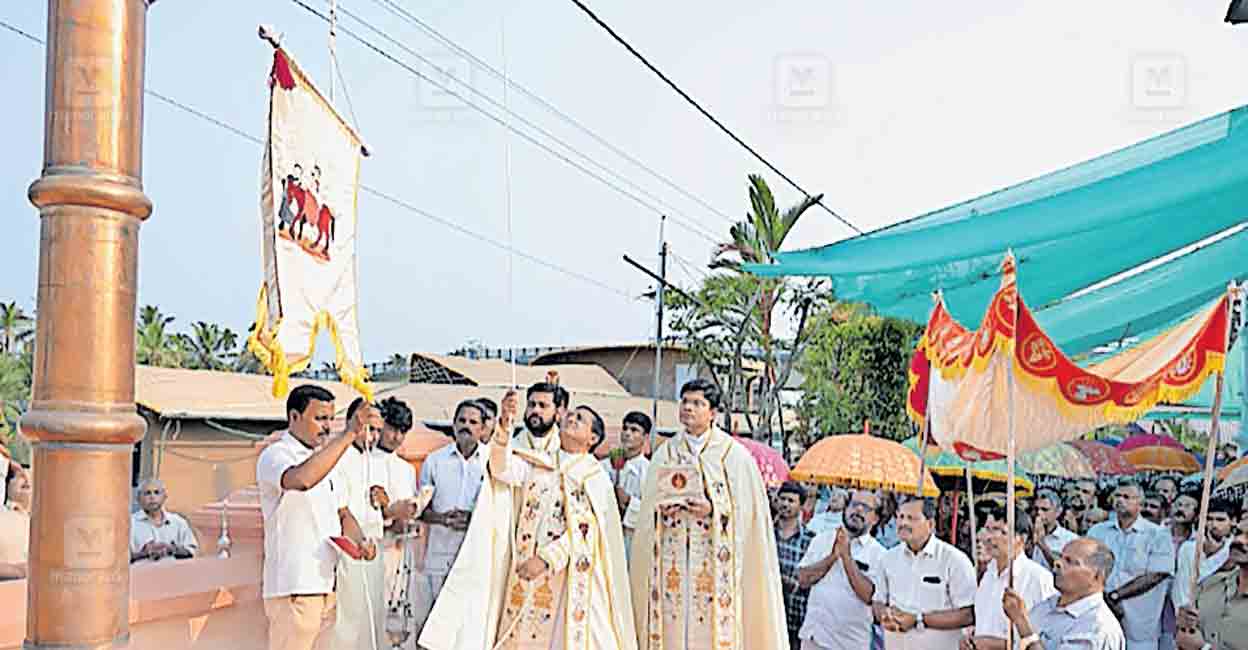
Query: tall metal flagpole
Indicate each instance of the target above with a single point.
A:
(82, 416)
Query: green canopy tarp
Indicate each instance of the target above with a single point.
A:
(1069, 229)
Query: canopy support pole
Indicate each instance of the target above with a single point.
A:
(970, 507)
(927, 424)
(1010, 457)
(1198, 556)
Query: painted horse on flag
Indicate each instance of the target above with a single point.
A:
(309, 186)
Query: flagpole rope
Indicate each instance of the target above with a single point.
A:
(634, 192)
(511, 277)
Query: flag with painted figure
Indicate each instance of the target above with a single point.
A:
(308, 193)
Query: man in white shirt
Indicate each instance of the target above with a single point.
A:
(455, 473)
(1031, 581)
(1144, 558)
(303, 500)
(156, 534)
(1222, 515)
(837, 569)
(627, 480)
(397, 479)
(1050, 535)
(925, 587)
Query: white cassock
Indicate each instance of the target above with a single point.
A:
(708, 583)
(361, 584)
(561, 508)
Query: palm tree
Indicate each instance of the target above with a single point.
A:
(155, 344)
(15, 327)
(756, 240)
(211, 346)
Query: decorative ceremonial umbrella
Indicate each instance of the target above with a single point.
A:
(945, 465)
(860, 460)
(1162, 459)
(1149, 440)
(775, 471)
(1059, 460)
(1104, 459)
(1225, 472)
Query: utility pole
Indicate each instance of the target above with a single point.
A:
(658, 327)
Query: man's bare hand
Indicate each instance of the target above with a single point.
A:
(532, 568)
(507, 411)
(378, 496)
(368, 550)
(840, 547)
(904, 621)
(1012, 603)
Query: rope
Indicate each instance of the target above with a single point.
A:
(234, 432)
(511, 278)
(207, 460)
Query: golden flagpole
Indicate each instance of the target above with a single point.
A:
(82, 418)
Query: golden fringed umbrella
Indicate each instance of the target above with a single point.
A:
(952, 469)
(1162, 459)
(863, 461)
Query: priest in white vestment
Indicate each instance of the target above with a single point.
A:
(545, 404)
(704, 570)
(542, 566)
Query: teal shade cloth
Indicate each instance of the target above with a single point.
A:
(1068, 230)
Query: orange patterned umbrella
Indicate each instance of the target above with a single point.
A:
(860, 460)
(1162, 459)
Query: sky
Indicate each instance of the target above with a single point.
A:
(889, 109)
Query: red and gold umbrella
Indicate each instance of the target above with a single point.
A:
(770, 463)
(1104, 459)
(1162, 459)
(860, 460)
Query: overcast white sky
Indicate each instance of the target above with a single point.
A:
(910, 106)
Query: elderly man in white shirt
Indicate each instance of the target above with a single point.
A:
(1031, 581)
(455, 473)
(925, 587)
(1050, 535)
(634, 433)
(1144, 558)
(155, 533)
(1217, 551)
(837, 570)
(1077, 617)
(303, 500)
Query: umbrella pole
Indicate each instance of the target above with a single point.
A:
(970, 508)
(1215, 412)
(927, 424)
(953, 526)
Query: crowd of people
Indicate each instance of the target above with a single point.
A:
(1096, 568)
(515, 536)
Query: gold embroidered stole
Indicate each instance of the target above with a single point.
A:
(695, 562)
(584, 531)
(528, 615)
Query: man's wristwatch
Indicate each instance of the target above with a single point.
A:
(1112, 596)
(918, 622)
(1026, 641)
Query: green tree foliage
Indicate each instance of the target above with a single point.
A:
(15, 383)
(16, 327)
(858, 370)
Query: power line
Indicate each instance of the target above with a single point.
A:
(507, 111)
(503, 123)
(706, 113)
(483, 65)
(373, 191)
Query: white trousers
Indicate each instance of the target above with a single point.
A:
(361, 601)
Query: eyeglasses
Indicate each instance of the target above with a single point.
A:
(859, 504)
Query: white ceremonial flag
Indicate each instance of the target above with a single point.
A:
(309, 186)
